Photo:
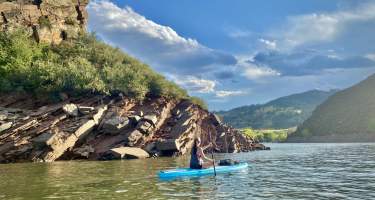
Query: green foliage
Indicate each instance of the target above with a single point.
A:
(281, 113)
(76, 67)
(199, 101)
(267, 135)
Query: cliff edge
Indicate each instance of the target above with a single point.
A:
(49, 21)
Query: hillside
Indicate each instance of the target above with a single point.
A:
(347, 116)
(284, 112)
(64, 98)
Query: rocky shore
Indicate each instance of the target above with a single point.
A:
(97, 127)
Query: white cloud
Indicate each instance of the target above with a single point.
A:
(371, 56)
(256, 72)
(238, 33)
(268, 43)
(229, 93)
(323, 27)
(158, 45)
(195, 84)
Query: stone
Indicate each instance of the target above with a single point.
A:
(85, 109)
(150, 148)
(127, 153)
(59, 142)
(5, 126)
(144, 127)
(84, 151)
(216, 119)
(140, 113)
(98, 117)
(3, 116)
(115, 124)
(50, 21)
(134, 138)
(71, 109)
(151, 119)
(134, 119)
(176, 112)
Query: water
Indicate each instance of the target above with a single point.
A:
(288, 171)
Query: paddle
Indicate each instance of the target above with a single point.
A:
(212, 153)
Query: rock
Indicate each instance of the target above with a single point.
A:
(5, 126)
(166, 145)
(259, 146)
(144, 127)
(115, 124)
(85, 109)
(84, 151)
(151, 119)
(134, 138)
(176, 112)
(100, 114)
(3, 116)
(59, 141)
(47, 21)
(127, 153)
(216, 120)
(150, 148)
(71, 109)
(134, 119)
(140, 113)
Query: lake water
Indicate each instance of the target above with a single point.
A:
(288, 171)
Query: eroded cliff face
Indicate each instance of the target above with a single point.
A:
(49, 21)
(103, 127)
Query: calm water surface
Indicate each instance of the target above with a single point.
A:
(288, 171)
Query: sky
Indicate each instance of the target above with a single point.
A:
(234, 53)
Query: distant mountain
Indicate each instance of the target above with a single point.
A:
(284, 112)
(347, 116)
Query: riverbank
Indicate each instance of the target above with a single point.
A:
(97, 127)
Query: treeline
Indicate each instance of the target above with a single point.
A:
(76, 67)
(267, 135)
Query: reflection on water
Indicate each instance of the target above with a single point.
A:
(289, 171)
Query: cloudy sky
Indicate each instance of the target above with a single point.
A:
(242, 52)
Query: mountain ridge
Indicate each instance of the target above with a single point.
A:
(347, 116)
(281, 113)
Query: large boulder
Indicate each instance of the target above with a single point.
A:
(126, 153)
(115, 124)
(5, 126)
(71, 109)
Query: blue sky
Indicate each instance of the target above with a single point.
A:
(234, 53)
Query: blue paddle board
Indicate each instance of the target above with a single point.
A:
(184, 172)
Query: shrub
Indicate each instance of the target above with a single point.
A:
(199, 101)
(74, 67)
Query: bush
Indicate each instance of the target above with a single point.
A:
(78, 66)
(199, 101)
